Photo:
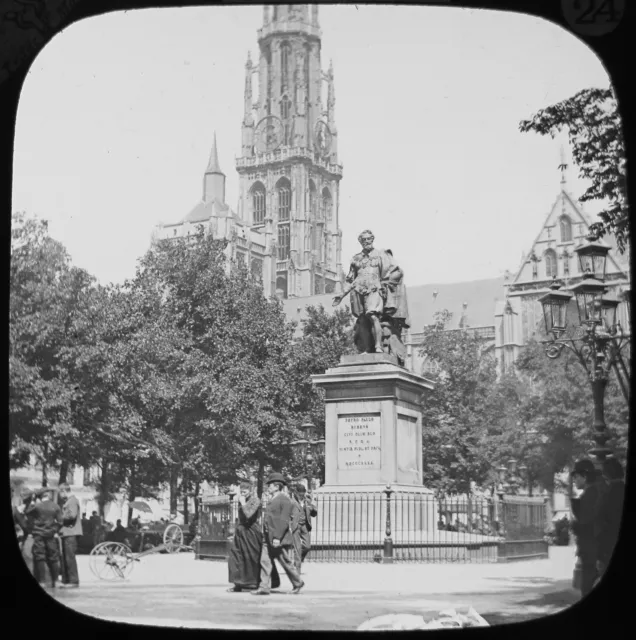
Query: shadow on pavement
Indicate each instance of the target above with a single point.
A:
(540, 606)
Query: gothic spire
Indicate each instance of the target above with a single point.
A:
(563, 168)
(248, 90)
(213, 164)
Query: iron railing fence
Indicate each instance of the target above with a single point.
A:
(401, 527)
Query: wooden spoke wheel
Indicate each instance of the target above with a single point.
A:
(173, 538)
(111, 561)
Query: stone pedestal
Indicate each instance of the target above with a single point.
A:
(373, 438)
(373, 422)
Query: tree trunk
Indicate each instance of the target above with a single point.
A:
(197, 488)
(132, 491)
(174, 480)
(45, 474)
(63, 472)
(260, 479)
(103, 490)
(185, 485)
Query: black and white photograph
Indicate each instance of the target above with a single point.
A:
(319, 315)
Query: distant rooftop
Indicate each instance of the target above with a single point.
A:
(480, 296)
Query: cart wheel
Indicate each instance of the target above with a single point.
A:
(111, 561)
(173, 538)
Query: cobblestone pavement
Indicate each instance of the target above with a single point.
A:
(178, 590)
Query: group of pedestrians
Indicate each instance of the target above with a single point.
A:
(283, 537)
(596, 517)
(49, 535)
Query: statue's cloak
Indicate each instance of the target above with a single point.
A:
(396, 304)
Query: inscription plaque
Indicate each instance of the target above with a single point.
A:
(359, 441)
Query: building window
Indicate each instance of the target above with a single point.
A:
(285, 112)
(566, 262)
(285, 108)
(550, 264)
(325, 205)
(566, 229)
(281, 286)
(317, 242)
(283, 241)
(284, 66)
(283, 190)
(258, 203)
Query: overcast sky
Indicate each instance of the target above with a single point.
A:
(117, 116)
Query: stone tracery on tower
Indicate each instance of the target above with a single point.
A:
(287, 221)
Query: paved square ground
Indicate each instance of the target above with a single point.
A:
(177, 590)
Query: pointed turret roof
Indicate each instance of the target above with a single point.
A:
(213, 164)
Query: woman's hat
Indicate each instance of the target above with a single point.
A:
(43, 491)
(276, 477)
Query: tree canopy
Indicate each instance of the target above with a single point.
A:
(593, 123)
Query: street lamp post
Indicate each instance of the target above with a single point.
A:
(599, 347)
(308, 448)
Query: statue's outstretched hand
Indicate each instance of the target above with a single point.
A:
(336, 301)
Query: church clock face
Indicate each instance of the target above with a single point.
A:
(322, 138)
(269, 134)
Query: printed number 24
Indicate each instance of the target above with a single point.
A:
(592, 13)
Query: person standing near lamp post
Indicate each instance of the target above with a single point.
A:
(585, 523)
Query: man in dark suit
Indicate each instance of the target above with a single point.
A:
(45, 521)
(611, 509)
(277, 534)
(308, 511)
(71, 532)
(585, 523)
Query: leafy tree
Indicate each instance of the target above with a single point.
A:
(593, 123)
(327, 336)
(232, 400)
(558, 407)
(456, 416)
(46, 294)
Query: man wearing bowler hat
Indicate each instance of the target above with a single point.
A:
(46, 521)
(277, 537)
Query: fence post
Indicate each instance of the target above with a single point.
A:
(388, 542)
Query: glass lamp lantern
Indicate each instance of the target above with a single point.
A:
(588, 299)
(626, 295)
(609, 305)
(299, 447)
(320, 447)
(309, 430)
(592, 258)
(555, 306)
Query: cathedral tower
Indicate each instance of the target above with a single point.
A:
(289, 175)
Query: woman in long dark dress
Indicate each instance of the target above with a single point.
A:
(244, 562)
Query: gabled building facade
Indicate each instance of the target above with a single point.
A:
(519, 316)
